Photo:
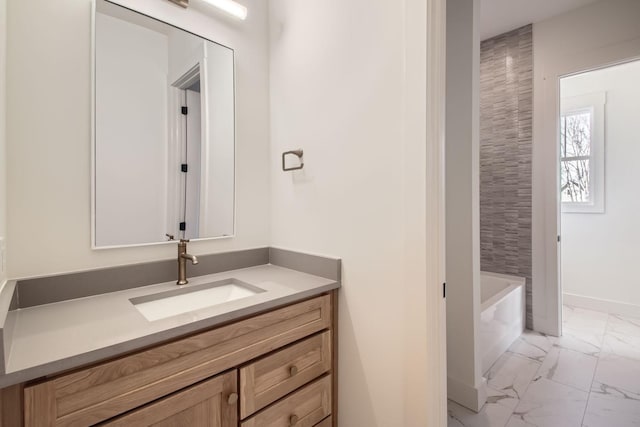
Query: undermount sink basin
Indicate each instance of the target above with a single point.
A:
(191, 298)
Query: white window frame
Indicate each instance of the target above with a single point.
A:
(595, 104)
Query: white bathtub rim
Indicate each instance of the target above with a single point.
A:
(511, 278)
(515, 282)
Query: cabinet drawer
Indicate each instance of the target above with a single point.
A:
(327, 422)
(104, 391)
(211, 403)
(304, 408)
(270, 378)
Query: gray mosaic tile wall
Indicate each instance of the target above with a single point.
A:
(506, 116)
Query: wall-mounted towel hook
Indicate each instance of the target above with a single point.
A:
(298, 153)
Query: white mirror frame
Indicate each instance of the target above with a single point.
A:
(173, 128)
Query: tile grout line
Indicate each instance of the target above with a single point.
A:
(584, 414)
(606, 327)
(494, 363)
(524, 392)
(583, 354)
(569, 385)
(537, 375)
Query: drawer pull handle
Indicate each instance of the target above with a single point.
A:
(232, 399)
(293, 371)
(293, 420)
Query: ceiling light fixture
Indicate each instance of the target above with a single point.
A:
(229, 6)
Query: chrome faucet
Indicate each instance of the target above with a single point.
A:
(183, 256)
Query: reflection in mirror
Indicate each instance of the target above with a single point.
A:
(164, 132)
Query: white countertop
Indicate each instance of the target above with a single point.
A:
(51, 338)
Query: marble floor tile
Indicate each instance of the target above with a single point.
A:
(518, 422)
(511, 374)
(589, 377)
(624, 325)
(569, 367)
(594, 322)
(609, 406)
(622, 345)
(618, 372)
(623, 336)
(582, 340)
(533, 345)
(586, 315)
(549, 404)
(494, 413)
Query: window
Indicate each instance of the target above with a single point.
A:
(575, 156)
(582, 154)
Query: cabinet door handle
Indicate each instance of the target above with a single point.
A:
(232, 399)
(293, 420)
(293, 371)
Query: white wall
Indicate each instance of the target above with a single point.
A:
(463, 204)
(341, 92)
(336, 92)
(600, 251)
(48, 131)
(602, 33)
(3, 141)
(131, 133)
(185, 51)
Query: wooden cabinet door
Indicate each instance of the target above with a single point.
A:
(212, 403)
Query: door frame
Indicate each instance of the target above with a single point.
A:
(436, 85)
(425, 357)
(436, 399)
(547, 287)
(635, 58)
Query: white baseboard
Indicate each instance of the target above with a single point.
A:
(603, 305)
(468, 396)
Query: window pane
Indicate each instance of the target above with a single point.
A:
(574, 176)
(575, 134)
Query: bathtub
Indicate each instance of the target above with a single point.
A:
(502, 315)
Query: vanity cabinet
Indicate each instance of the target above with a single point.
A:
(272, 369)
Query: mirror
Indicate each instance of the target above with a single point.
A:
(164, 130)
